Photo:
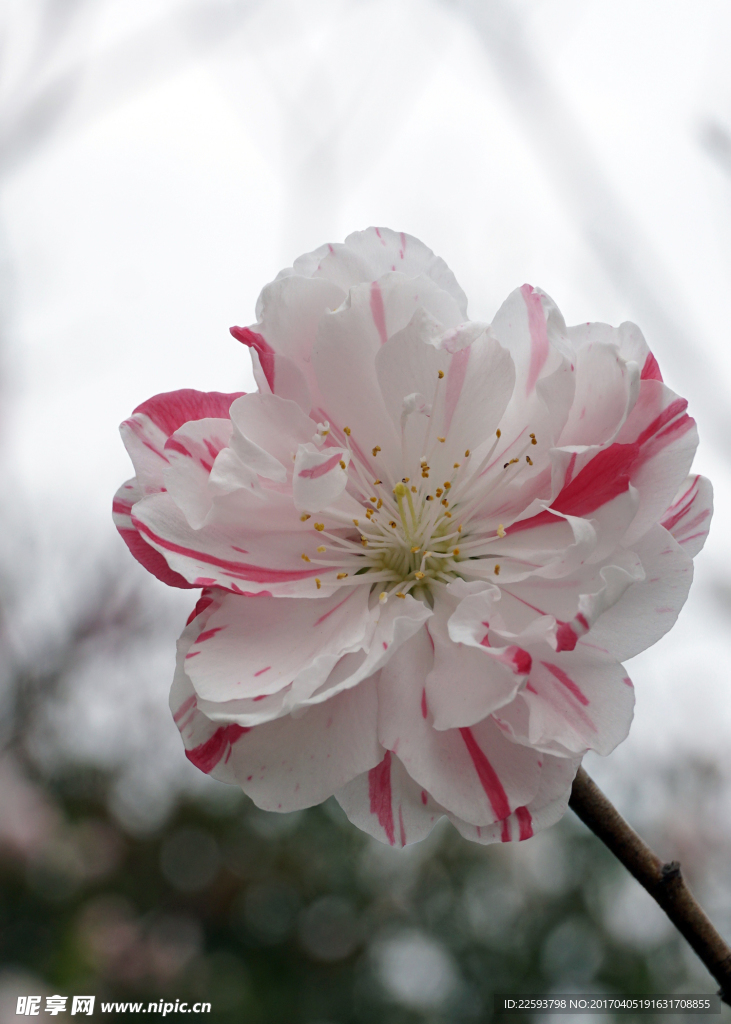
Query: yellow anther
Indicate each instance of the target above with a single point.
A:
(318, 583)
(364, 542)
(439, 492)
(459, 528)
(405, 479)
(533, 441)
(455, 552)
(442, 439)
(531, 435)
(341, 575)
(304, 517)
(498, 433)
(379, 503)
(393, 525)
(430, 497)
(346, 431)
(441, 374)
(342, 464)
(356, 522)
(369, 513)
(414, 489)
(424, 476)
(500, 530)
(445, 503)
(457, 465)
(529, 460)
(467, 454)
(415, 549)
(372, 498)
(321, 548)
(324, 433)
(400, 594)
(447, 485)
(419, 575)
(305, 558)
(496, 570)
(383, 597)
(377, 482)
(319, 527)
(448, 515)
(376, 450)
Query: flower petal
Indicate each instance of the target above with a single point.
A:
(573, 702)
(296, 762)
(688, 518)
(320, 477)
(367, 255)
(191, 452)
(607, 388)
(124, 501)
(389, 805)
(474, 773)
(649, 607)
(152, 423)
(546, 808)
(259, 645)
(469, 680)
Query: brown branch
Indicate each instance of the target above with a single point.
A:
(664, 882)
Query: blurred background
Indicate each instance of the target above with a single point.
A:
(160, 161)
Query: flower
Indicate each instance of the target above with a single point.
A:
(425, 545)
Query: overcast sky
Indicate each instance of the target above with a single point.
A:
(558, 142)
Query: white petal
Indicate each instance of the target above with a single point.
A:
(320, 477)
(469, 681)
(293, 763)
(368, 255)
(650, 607)
(607, 388)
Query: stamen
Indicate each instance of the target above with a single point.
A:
(318, 583)
(322, 548)
(415, 549)
(442, 439)
(346, 431)
(496, 570)
(341, 575)
(500, 530)
(304, 517)
(342, 464)
(498, 433)
(440, 374)
(467, 454)
(320, 527)
(529, 460)
(377, 482)
(376, 450)
(399, 594)
(305, 558)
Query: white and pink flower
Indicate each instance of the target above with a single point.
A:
(425, 545)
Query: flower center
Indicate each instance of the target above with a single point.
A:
(424, 530)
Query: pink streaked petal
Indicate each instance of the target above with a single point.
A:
(576, 701)
(688, 518)
(389, 805)
(545, 809)
(475, 777)
(124, 501)
(288, 640)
